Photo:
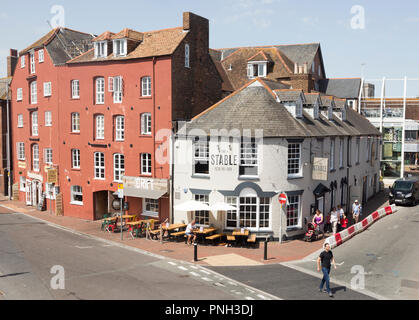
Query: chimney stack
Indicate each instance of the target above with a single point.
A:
(11, 62)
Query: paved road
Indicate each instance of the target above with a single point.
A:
(388, 253)
(96, 269)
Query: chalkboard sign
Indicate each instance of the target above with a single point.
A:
(41, 204)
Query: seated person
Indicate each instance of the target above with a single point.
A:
(189, 232)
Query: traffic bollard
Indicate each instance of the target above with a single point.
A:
(195, 252)
(265, 253)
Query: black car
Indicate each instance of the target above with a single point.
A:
(405, 191)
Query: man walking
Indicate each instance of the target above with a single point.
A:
(326, 259)
(356, 211)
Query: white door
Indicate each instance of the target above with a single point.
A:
(28, 192)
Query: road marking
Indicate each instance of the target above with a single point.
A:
(182, 268)
(194, 274)
(194, 267)
(339, 264)
(206, 272)
(206, 279)
(219, 284)
(83, 247)
(232, 283)
(172, 263)
(262, 297)
(249, 298)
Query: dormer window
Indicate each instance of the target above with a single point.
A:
(330, 112)
(120, 47)
(316, 111)
(256, 69)
(101, 49)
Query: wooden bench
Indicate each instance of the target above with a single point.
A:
(251, 239)
(214, 237)
(155, 234)
(231, 239)
(178, 235)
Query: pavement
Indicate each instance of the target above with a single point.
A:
(207, 255)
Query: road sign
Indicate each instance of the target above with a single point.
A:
(282, 198)
(120, 190)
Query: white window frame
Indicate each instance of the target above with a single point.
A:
(47, 89)
(201, 155)
(294, 201)
(293, 160)
(19, 94)
(32, 62)
(35, 157)
(120, 47)
(202, 214)
(41, 55)
(151, 207)
(48, 155)
(118, 167)
(48, 118)
(256, 69)
(187, 56)
(99, 165)
(146, 86)
(34, 121)
(119, 128)
(34, 92)
(75, 89)
(20, 120)
(146, 123)
(100, 90)
(235, 214)
(20, 150)
(101, 49)
(100, 126)
(75, 122)
(145, 159)
(76, 191)
(22, 62)
(117, 89)
(341, 153)
(332, 154)
(75, 158)
(249, 151)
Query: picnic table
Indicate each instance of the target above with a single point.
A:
(139, 227)
(241, 236)
(201, 234)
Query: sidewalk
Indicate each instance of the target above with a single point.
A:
(207, 255)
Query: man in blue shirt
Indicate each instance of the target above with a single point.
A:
(356, 211)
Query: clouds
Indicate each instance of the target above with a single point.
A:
(258, 12)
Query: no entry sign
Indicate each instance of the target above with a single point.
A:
(282, 198)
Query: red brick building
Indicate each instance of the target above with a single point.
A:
(112, 102)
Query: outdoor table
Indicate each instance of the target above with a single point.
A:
(241, 236)
(127, 217)
(174, 226)
(200, 235)
(134, 225)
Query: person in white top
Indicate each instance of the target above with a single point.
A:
(189, 232)
(356, 211)
(334, 219)
(342, 217)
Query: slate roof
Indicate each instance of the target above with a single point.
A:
(342, 88)
(281, 60)
(288, 94)
(62, 44)
(311, 98)
(154, 44)
(254, 107)
(3, 88)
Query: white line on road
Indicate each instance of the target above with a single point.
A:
(182, 268)
(249, 298)
(194, 274)
(206, 279)
(83, 247)
(206, 272)
(172, 263)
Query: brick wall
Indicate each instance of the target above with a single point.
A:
(196, 88)
(302, 81)
(412, 111)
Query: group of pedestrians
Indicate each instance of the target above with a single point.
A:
(337, 220)
(326, 260)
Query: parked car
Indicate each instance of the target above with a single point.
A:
(405, 191)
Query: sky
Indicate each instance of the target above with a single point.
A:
(369, 38)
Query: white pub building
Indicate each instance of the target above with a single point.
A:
(261, 141)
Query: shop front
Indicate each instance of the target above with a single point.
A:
(147, 197)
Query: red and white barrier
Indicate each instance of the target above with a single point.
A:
(344, 235)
